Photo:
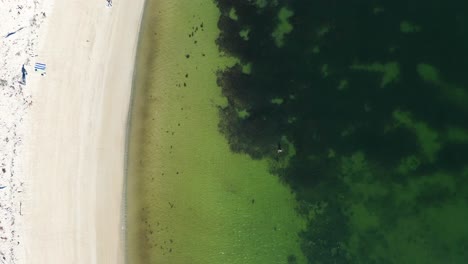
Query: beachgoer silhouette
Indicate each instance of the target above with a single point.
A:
(24, 73)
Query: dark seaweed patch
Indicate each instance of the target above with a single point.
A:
(345, 72)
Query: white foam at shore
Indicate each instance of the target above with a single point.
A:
(25, 18)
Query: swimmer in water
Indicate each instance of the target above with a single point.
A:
(279, 149)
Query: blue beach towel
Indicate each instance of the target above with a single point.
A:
(39, 66)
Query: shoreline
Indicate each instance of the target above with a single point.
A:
(76, 145)
(128, 126)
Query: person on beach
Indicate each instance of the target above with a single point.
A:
(23, 77)
(109, 3)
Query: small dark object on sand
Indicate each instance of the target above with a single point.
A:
(23, 73)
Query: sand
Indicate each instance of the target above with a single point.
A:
(66, 129)
(21, 21)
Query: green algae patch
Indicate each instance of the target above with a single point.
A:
(427, 137)
(331, 154)
(408, 27)
(283, 27)
(354, 164)
(233, 14)
(322, 31)
(190, 199)
(428, 185)
(408, 164)
(316, 49)
(325, 70)
(292, 119)
(277, 101)
(456, 94)
(357, 174)
(343, 84)
(363, 219)
(428, 73)
(377, 10)
(244, 34)
(261, 3)
(411, 216)
(457, 135)
(429, 222)
(243, 114)
(247, 68)
(453, 92)
(390, 71)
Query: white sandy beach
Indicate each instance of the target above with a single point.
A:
(63, 178)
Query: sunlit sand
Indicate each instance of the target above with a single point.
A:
(69, 121)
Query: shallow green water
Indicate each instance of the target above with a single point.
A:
(366, 100)
(190, 199)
